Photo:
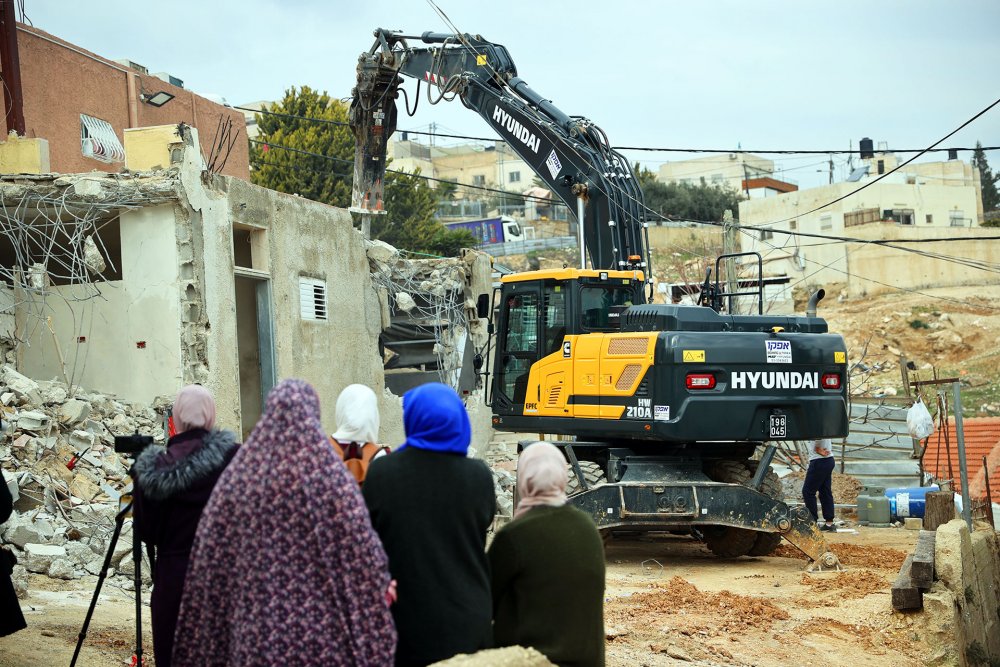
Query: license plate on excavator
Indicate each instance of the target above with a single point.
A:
(777, 427)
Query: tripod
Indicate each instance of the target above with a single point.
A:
(137, 560)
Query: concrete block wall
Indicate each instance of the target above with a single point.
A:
(21, 155)
(963, 608)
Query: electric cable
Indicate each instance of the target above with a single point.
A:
(633, 148)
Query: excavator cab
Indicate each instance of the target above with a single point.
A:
(542, 317)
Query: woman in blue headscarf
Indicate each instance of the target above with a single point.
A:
(432, 506)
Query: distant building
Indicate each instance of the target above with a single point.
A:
(81, 104)
(751, 175)
(410, 156)
(928, 200)
(251, 118)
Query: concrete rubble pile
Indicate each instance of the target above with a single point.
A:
(435, 292)
(64, 516)
(503, 464)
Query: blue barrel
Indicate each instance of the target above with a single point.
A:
(908, 501)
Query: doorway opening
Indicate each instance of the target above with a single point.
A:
(255, 346)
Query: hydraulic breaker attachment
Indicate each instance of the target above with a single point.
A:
(803, 534)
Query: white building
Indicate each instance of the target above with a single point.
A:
(751, 175)
(929, 200)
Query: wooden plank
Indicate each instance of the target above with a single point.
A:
(882, 468)
(889, 481)
(882, 440)
(906, 596)
(874, 454)
(880, 426)
(877, 411)
(940, 509)
(922, 569)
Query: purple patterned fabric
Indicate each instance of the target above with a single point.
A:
(286, 569)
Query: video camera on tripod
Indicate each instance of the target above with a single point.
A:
(130, 446)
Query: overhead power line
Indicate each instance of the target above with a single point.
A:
(738, 151)
(395, 171)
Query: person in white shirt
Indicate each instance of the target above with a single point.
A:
(819, 479)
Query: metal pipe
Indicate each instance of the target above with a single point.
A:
(11, 66)
(816, 297)
(579, 217)
(989, 494)
(962, 466)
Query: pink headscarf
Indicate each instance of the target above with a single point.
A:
(541, 477)
(194, 407)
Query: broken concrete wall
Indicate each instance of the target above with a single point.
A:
(125, 341)
(962, 610)
(302, 239)
(7, 323)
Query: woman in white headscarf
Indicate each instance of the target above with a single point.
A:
(541, 597)
(356, 437)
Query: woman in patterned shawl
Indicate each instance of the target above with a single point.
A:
(286, 569)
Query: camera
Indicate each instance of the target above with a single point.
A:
(130, 445)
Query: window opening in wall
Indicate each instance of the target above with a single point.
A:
(99, 141)
(515, 177)
(717, 179)
(903, 216)
(66, 252)
(479, 179)
(766, 234)
(881, 166)
(826, 221)
(242, 251)
(957, 218)
(930, 219)
(793, 225)
(312, 299)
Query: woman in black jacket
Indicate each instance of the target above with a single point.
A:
(11, 619)
(172, 487)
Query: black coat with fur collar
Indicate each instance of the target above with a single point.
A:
(172, 487)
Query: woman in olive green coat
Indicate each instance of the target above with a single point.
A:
(547, 568)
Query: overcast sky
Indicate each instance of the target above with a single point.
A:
(692, 74)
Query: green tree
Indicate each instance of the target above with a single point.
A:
(310, 176)
(410, 204)
(409, 223)
(686, 201)
(991, 198)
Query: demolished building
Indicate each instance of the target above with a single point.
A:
(135, 284)
(117, 289)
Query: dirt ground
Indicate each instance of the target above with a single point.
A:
(55, 611)
(668, 602)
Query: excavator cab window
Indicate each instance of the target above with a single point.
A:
(601, 306)
(555, 317)
(520, 344)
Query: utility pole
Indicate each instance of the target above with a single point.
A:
(11, 65)
(730, 229)
(831, 168)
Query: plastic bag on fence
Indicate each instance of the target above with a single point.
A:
(918, 421)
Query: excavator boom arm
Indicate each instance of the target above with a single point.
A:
(570, 154)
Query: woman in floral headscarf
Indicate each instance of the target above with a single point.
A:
(286, 569)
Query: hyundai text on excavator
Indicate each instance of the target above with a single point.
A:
(666, 404)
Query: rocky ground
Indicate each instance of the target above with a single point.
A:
(949, 331)
(668, 602)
